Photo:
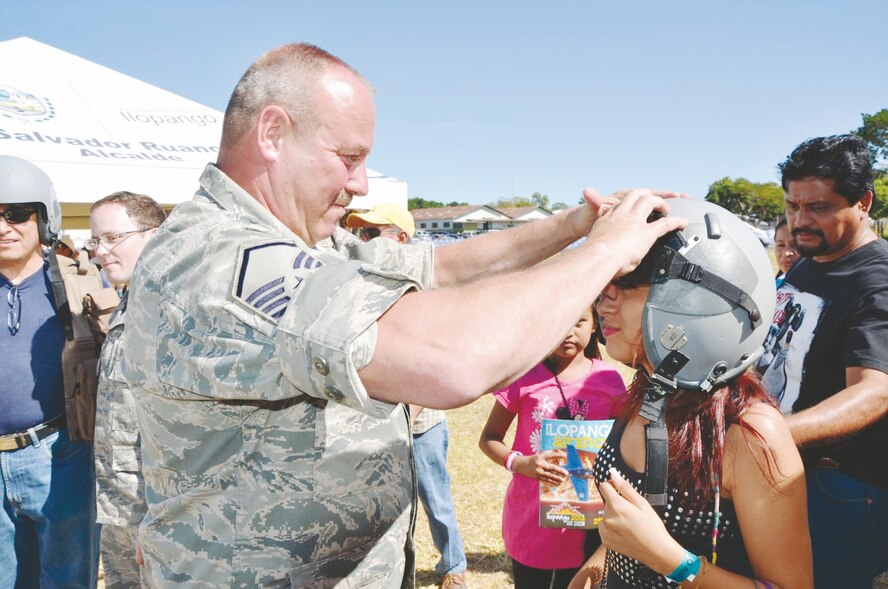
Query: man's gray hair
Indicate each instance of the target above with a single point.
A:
(287, 77)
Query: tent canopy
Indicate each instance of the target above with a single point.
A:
(96, 131)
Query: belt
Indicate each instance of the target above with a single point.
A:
(23, 439)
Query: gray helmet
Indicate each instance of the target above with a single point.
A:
(21, 182)
(711, 301)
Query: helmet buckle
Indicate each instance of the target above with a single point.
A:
(691, 272)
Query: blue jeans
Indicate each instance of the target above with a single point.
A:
(849, 529)
(48, 531)
(430, 455)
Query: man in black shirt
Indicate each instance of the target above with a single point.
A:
(827, 363)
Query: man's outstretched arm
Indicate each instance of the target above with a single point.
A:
(445, 347)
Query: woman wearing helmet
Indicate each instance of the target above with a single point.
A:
(702, 480)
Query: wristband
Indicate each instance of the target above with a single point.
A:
(511, 458)
(687, 570)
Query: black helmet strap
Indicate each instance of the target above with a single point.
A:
(656, 437)
(673, 265)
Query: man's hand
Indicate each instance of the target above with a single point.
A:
(584, 216)
(140, 558)
(632, 527)
(625, 231)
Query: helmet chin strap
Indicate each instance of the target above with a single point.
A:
(656, 438)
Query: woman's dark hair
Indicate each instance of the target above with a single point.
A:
(697, 423)
(843, 159)
(781, 222)
(592, 350)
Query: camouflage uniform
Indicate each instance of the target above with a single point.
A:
(266, 463)
(120, 490)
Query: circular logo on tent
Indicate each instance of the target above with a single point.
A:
(24, 106)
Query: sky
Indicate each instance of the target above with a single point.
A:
(481, 100)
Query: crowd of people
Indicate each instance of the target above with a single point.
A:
(269, 392)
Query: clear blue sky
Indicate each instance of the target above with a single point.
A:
(479, 100)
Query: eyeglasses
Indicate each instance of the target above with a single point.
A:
(368, 233)
(15, 215)
(110, 240)
(13, 318)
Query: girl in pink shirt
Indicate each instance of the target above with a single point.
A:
(573, 382)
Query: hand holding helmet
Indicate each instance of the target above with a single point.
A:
(625, 231)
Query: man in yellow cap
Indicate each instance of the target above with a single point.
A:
(428, 426)
(385, 220)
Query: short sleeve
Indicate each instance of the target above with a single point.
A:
(510, 397)
(867, 331)
(328, 331)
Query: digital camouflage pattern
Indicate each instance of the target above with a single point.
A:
(120, 489)
(119, 557)
(266, 463)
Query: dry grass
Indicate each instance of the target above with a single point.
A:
(478, 489)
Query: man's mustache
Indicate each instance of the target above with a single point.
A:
(816, 232)
(343, 200)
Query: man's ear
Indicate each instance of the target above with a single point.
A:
(272, 126)
(866, 202)
(403, 237)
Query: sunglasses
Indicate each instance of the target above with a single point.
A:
(15, 215)
(372, 232)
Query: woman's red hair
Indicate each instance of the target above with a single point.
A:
(697, 422)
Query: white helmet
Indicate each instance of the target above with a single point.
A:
(711, 300)
(21, 182)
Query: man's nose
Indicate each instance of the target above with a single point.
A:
(357, 183)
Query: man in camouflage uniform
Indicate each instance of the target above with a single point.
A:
(270, 349)
(121, 224)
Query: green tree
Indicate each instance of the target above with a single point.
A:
(763, 200)
(875, 132)
(768, 203)
(880, 210)
(540, 200)
(734, 195)
(421, 203)
(515, 201)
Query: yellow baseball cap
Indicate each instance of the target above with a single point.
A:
(384, 214)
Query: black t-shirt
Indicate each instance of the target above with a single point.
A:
(831, 316)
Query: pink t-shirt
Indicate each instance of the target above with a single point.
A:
(535, 397)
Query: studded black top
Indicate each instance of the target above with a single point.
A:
(692, 528)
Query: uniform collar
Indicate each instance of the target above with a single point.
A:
(218, 187)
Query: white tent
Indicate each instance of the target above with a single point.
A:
(96, 131)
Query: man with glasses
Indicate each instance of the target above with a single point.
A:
(121, 225)
(428, 426)
(47, 525)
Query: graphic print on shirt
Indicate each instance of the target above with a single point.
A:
(259, 283)
(782, 364)
(545, 409)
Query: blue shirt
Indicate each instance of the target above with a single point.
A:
(31, 386)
